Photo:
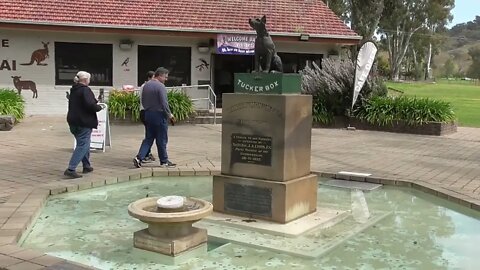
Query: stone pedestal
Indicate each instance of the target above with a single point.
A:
(172, 246)
(266, 145)
(266, 136)
(170, 233)
(269, 200)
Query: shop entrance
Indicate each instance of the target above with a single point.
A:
(225, 66)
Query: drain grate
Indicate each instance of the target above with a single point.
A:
(351, 185)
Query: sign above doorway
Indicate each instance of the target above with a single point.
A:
(235, 44)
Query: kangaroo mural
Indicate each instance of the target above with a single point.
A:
(25, 85)
(39, 56)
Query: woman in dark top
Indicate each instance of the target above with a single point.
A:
(82, 118)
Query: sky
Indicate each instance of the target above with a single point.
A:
(464, 11)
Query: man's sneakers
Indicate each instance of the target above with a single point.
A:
(149, 158)
(87, 170)
(71, 174)
(137, 162)
(167, 164)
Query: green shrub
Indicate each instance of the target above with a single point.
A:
(11, 103)
(320, 112)
(333, 85)
(411, 110)
(180, 104)
(121, 103)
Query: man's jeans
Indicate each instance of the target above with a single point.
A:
(82, 150)
(156, 129)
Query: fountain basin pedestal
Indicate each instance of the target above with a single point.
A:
(169, 233)
(171, 246)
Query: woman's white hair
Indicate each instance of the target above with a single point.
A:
(82, 76)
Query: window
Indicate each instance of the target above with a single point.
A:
(95, 59)
(294, 62)
(176, 59)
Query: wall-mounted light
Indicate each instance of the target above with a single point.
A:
(203, 48)
(126, 44)
(304, 37)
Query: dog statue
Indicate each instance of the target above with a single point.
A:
(266, 58)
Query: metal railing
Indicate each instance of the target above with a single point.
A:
(192, 90)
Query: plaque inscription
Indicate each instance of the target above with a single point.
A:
(252, 149)
(248, 199)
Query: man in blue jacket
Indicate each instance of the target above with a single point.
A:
(157, 115)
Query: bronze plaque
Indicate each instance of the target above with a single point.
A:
(248, 199)
(252, 149)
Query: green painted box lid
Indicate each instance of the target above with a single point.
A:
(268, 83)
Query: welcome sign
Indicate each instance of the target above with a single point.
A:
(235, 44)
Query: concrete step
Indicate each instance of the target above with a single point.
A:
(208, 112)
(206, 119)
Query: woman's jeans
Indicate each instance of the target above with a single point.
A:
(82, 150)
(156, 126)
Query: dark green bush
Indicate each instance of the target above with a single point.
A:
(121, 103)
(180, 104)
(413, 111)
(11, 103)
(333, 86)
(320, 112)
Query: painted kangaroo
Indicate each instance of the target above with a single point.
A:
(25, 85)
(39, 56)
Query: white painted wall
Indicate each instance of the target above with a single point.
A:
(51, 98)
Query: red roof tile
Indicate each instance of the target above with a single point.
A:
(283, 16)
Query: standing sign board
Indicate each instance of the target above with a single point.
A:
(101, 135)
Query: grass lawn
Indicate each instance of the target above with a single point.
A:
(464, 97)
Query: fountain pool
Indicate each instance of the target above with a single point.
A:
(407, 229)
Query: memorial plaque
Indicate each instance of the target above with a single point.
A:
(248, 199)
(252, 149)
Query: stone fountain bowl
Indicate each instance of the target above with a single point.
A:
(146, 211)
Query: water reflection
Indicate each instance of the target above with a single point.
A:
(422, 232)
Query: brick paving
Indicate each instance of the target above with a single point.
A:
(36, 152)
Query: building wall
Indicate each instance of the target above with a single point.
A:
(17, 47)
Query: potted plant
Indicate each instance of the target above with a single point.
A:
(12, 108)
(181, 105)
(124, 106)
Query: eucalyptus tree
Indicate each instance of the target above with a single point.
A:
(474, 69)
(402, 19)
(438, 16)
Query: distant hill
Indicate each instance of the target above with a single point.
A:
(459, 39)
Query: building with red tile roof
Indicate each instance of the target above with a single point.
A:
(46, 41)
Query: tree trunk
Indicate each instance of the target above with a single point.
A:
(428, 61)
(398, 45)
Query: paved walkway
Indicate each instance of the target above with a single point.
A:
(36, 152)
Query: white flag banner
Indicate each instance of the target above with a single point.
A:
(365, 59)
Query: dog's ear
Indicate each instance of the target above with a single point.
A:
(264, 19)
(250, 22)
